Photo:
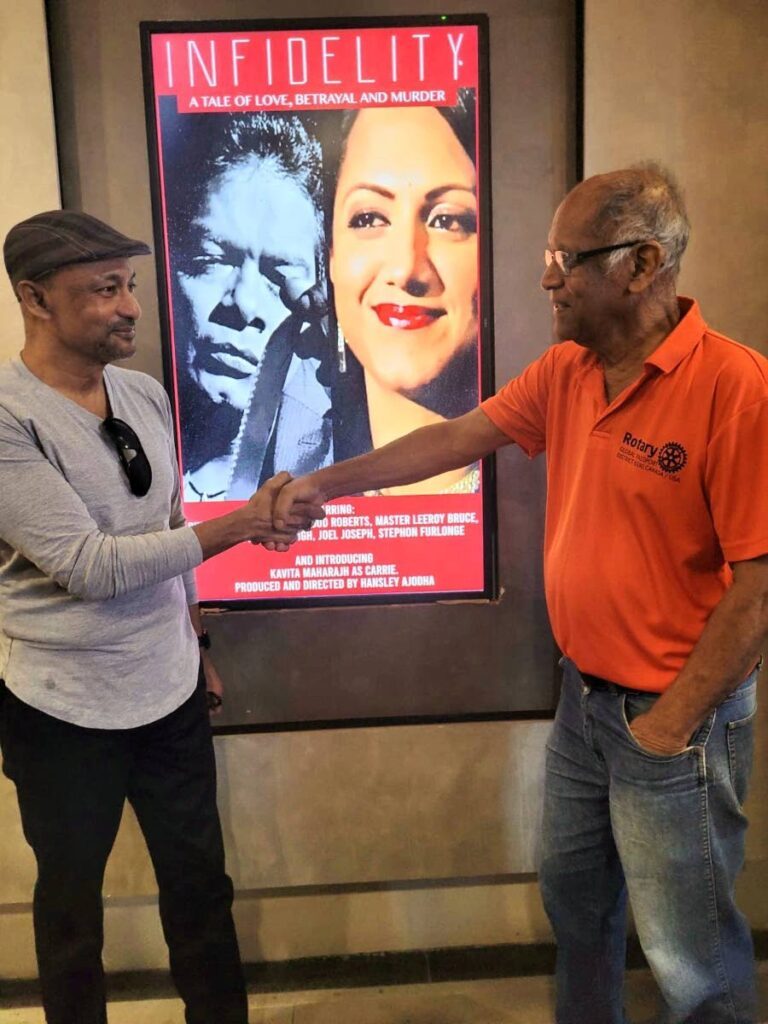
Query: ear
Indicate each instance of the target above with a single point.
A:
(33, 300)
(648, 260)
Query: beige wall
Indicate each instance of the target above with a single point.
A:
(29, 178)
(312, 817)
(686, 82)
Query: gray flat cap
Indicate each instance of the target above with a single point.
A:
(58, 238)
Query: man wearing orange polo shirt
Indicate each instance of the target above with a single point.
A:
(656, 570)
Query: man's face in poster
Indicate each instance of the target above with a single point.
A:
(251, 259)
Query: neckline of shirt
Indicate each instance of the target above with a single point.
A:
(68, 403)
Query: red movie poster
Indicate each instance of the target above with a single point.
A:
(320, 204)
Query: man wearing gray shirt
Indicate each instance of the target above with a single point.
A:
(101, 697)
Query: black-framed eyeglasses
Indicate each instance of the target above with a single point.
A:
(132, 455)
(567, 261)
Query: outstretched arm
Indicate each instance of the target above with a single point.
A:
(47, 522)
(423, 453)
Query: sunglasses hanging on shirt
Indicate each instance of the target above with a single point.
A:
(132, 456)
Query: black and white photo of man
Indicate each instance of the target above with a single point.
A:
(249, 293)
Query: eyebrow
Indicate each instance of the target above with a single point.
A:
(431, 196)
(113, 276)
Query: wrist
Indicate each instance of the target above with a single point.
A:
(322, 482)
(245, 524)
(222, 533)
(663, 729)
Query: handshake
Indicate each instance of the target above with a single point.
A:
(281, 508)
(273, 516)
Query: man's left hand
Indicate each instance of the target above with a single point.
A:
(654, 740)
(213, 684)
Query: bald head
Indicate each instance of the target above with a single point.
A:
(642, 202)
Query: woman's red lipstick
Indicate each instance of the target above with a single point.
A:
(406, 318)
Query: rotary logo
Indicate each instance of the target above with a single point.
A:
(666, 460)
(672, 457)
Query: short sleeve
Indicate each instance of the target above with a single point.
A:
(519, 409)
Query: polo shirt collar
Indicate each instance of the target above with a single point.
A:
(683, 339)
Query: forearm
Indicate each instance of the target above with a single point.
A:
(224, 532)
(423, 453)
(727, 650)
(100, 566)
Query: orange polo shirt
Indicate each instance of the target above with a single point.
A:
(648, 498)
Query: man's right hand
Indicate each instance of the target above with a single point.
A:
(262, 505)
(254, 522)
(296, 499)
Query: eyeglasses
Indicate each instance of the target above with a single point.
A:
(568, 261)
(132, 456)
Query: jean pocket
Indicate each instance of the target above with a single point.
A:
(741, 743)
(632, 706)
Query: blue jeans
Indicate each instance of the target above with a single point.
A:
(668, 831)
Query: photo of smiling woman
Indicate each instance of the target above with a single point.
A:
(403, 264)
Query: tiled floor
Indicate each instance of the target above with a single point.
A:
(498, 1001)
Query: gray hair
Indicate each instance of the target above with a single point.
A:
(645, 202)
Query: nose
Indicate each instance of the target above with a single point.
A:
(249, 301)
(407, 263)
(129, 308)
(552, 277)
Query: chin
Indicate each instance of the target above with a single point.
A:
(225, 390)
(561, 332)
(452, 391)
(112, 354)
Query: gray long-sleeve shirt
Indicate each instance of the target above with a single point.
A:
(94, 582)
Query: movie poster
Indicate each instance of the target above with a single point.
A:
(320, 198)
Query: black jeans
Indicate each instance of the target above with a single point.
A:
(72, 784)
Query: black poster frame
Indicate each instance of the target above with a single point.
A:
(489, 590)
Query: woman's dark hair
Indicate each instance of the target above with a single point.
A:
(462, 118)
